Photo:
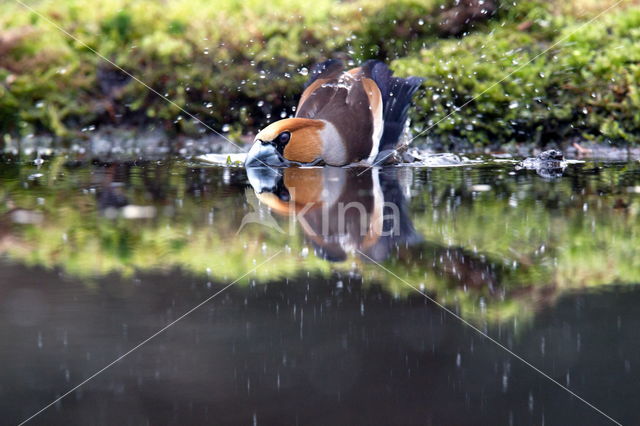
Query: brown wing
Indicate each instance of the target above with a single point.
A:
(342, 99)
(320, 74)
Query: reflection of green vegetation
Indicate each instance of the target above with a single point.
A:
(548, 236)
(219, 59)
(496, 255)
(85, 243)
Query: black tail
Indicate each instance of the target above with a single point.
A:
(396, 98)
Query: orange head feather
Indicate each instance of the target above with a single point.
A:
(304, 144)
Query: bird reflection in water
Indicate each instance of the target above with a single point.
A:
(341, 210)
(345, 211)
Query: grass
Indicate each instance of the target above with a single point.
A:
(241, 64)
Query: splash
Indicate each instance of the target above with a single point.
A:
(420, 158)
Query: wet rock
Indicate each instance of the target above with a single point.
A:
(548, 164)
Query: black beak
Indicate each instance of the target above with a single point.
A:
(264, 154)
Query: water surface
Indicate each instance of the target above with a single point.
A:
(98, 257)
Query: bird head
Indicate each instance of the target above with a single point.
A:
(287, 142)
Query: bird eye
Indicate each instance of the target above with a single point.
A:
(283, 137)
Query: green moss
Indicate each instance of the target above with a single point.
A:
(219, 59)
(118, 27)
(513, 86)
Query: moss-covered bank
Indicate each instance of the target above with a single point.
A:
(239, 64)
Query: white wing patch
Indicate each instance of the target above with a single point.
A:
(334, 152)
(378, 127)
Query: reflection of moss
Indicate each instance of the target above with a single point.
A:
(219, 59)
(85, 243)
(494, 255)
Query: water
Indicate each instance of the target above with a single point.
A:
(98, 257)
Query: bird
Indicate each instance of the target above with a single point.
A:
(343, 117)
